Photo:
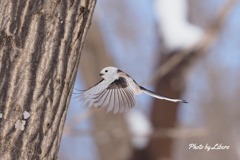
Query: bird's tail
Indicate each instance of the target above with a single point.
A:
(150, 93)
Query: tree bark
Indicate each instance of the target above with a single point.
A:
(40, 49)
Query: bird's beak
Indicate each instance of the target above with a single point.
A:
(100, 74)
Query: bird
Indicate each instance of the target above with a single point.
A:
(117, 91)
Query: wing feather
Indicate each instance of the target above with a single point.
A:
(117, 96)
(127, 103)
(122, 100)
(130, 98)
(111, 101)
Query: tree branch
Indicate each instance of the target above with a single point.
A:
(200, 48)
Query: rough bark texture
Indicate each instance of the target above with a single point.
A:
(40, 45)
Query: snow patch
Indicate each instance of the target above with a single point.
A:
(140, 128)
(175, 28)
(26, 115)
(21, 124)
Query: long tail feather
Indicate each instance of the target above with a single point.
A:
(150, 93)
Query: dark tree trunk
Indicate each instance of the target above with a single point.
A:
(40, 46)
(170, 82)
(164, 113)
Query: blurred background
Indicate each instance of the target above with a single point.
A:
(186, 49)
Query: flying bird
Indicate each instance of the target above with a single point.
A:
(117, 91)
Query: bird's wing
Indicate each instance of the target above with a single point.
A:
(117, 96)
(91, 92)
(146, 91)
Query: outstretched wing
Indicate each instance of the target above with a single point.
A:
(91, 92)
(117, 96)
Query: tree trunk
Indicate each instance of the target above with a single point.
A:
(40, 46)
(164, 113)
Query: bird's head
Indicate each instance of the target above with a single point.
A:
(109, 73)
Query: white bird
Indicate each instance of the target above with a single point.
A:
(117, 91)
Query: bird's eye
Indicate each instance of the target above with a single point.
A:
(106, 71)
